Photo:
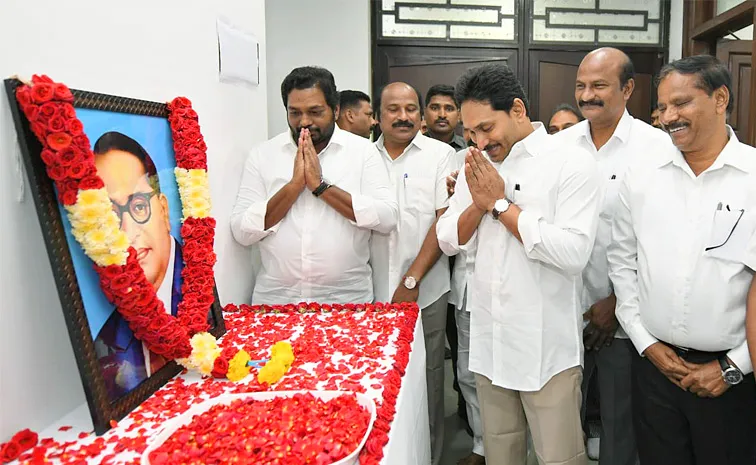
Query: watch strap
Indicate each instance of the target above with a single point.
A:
(724, 364)
(321, 188)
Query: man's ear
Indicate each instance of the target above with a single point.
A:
(336, 112)
(627, 90)
(722, 99)
(165, 213)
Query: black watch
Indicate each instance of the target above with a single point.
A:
(321, 188)
(731, 374)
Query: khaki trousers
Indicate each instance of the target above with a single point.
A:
(553, 415)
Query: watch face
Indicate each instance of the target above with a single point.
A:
(410, 282)
(501, 205)
(732, 376)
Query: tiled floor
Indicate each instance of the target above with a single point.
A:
(457, 443)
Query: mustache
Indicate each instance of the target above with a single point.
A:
(403, 124)
(438, 120)
(597, 103)
(675, 125)
(489, 147)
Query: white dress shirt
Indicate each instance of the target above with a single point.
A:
(525, 297)
(631, 138)
(669, 287)
(314, 253)
(418, 181)
(465, 262)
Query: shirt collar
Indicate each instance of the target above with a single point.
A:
(622, 131)
(730, 155)
(532, 143)
(420, 141)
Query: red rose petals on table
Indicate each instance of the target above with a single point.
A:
(362, 348)
(296, 430)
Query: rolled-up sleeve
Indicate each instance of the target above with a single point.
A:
(248, 214)
(567, 242)
(622, 254)
(374, 206)
(447, 230)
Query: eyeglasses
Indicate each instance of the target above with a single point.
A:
(729, 235)
(138, 206)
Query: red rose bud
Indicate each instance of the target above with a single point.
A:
(23, 96)
(63, 93)
(42, 92)
(220, 367)
(58, 141)
(9, 451)
(26, 439)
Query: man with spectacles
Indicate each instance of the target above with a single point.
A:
(131, 179)
(680, 268)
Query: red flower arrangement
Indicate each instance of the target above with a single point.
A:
(297, 430)
(375, 338)
(48, 106)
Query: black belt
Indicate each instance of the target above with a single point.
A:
(695, 356)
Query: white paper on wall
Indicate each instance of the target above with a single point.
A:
(238, 54)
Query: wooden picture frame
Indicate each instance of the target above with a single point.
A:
(104, 408)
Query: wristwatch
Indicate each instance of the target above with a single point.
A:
(321, 188)
(410, 282)
(731, 374)
(500, 207)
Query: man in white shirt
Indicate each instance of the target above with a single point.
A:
(310, 197)
(532, 213)
(406, 265)
(679, 238)
(605, 82)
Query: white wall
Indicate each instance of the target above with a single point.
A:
(334, 34)
(147, 49)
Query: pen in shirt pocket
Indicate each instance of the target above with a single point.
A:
(514, 194)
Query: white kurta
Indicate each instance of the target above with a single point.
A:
(525, 297)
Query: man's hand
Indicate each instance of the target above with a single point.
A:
(402, 294)
(313, 177)
(451, 182)
(603, 324)
(486, 186)
(705, 380)
(298, 177)
(668, 362)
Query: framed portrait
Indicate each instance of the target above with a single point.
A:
(134, 156)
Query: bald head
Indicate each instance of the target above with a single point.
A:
(605, 82)
(399, 112)
(613, 58)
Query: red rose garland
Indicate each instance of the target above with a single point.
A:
(70, 164)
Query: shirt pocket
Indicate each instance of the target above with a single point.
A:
(730, 233)
(420, 195)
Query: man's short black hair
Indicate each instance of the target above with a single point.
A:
(352, 99)
(307, 77)
(627, 71)
(377, 106)
(711, 74)
(492, 83)
(569, 108)
(441, 89)
(113, 140)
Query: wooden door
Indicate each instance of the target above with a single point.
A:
(737, 55)
(423, 67)
(552, 74)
